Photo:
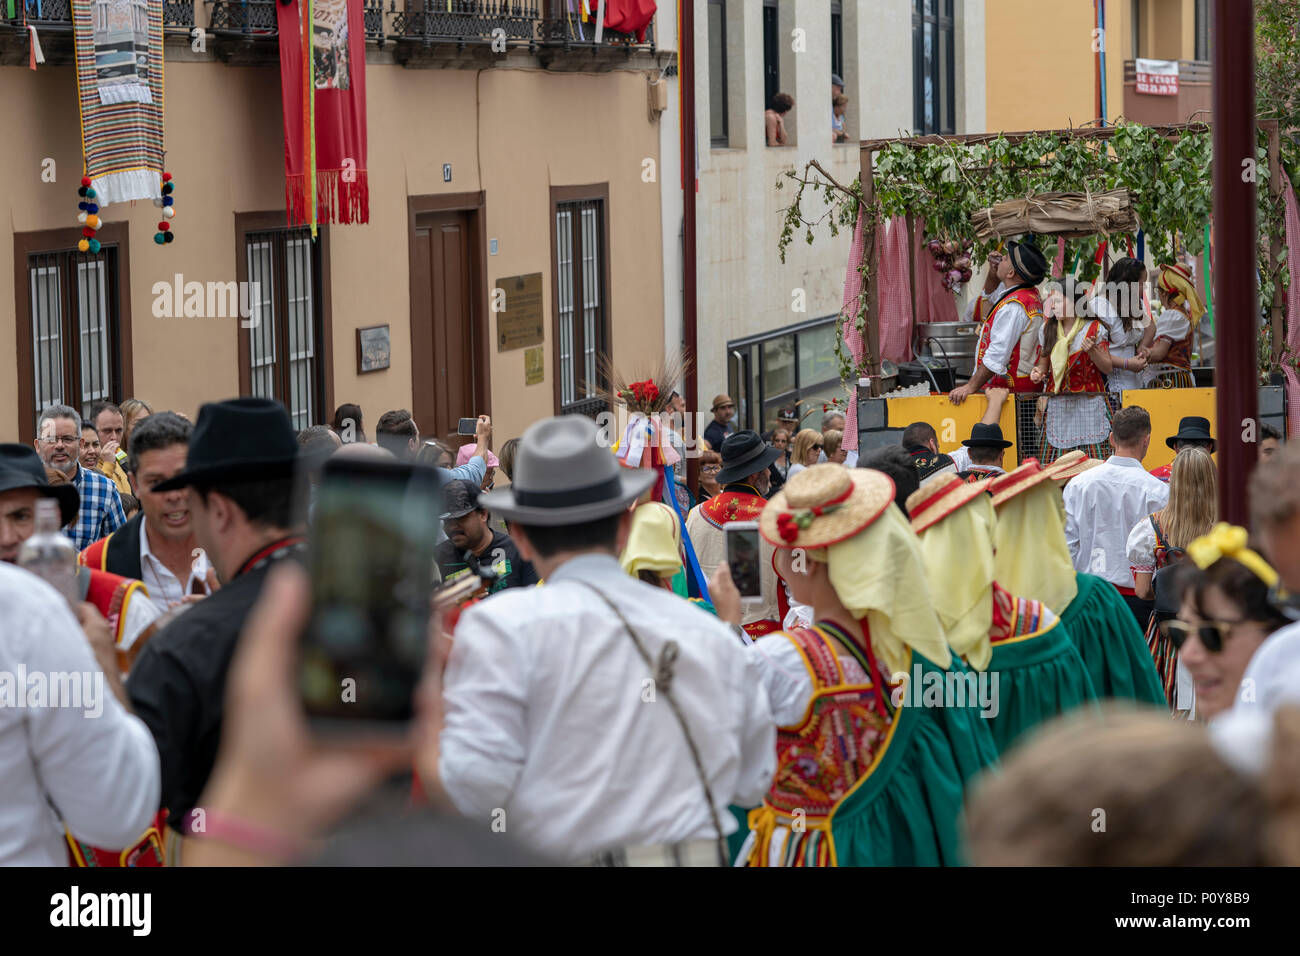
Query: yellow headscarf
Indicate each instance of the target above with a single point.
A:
(879, 574)
(958, 555)
(1175, 280)
(654, 543)
(1033, 561)
(1061, 350)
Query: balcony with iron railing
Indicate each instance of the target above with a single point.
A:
(1194, 96)
(53, 22)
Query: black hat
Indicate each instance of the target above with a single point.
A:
(21, 467)
(1192, 428)
(239, 440)
(788, 414)
(744, 454)
(459, 498)
(1028, 260)
(986, 436)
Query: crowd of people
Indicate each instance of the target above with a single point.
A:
(604, 694)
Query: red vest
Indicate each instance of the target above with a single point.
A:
(1081, 374)
(1032, 303)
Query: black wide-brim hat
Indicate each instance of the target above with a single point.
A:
(744, 454)
(986, 436)
(1193, 428)
(1028, 261)
(237, 441)
(21, 467)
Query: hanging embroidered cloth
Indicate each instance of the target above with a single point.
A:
(119, 47)
(324, 97)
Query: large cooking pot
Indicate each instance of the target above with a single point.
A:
(956, 341)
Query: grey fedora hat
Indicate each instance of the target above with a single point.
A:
(563, 476)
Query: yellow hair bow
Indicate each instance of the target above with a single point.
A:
(1229, 541)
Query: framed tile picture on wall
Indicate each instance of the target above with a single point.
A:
(374, 351)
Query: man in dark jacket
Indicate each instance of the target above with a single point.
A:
(240, 480)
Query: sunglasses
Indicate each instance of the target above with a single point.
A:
(1211, 634)
(816, 447)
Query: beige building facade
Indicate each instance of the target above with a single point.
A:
(538, 162)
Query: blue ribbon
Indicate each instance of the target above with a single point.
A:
(692, 562)
(1142, 246)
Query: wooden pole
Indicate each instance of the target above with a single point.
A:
(686, 77)
(1236, 304)
(870, 235)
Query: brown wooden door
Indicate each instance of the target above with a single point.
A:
(442, 315)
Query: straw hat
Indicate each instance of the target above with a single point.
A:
(1023, 478)
(825, 504)
(1071, 465)
(940, 497)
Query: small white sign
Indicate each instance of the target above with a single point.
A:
(1157, 77)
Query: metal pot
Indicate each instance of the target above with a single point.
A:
(957, 342)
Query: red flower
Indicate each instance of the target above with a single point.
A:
(786, 527)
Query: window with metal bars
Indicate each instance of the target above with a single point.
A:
(580, 300)
(934, 71)
(283, 351)
(73, 325)
(837, 38)
(1203, 17)
(719, 136)
(771, 53)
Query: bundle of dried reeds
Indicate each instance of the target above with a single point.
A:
(1068, 215)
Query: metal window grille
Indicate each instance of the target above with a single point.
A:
(1031, 432)
(771, 53)
(934, 69)
(579, 245)
(74, 316)
(282, 298)
(719, 134)
(837, 38)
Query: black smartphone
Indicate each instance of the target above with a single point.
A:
(371, 556)
(743, 557)
(467, 426)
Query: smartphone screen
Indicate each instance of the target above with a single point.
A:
(371, 560)
(467, 426)
(743, 557)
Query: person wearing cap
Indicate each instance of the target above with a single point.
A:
(473, 544)
(744, 481)
(240, 485)
(1017, 311)
(716, 432)
(986, 449)
(1193, 432)
(1032, 559)
(1169, 359)
(789, 418)
(1016, 642)
(867, 774)
(545, 713)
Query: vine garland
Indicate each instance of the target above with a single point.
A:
(944, 183)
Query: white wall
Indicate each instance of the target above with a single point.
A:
(670, 179)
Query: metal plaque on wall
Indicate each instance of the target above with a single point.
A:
(517, 302)
(534, 367)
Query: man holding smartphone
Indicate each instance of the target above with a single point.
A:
(472, 545)
(744, 480)
(600, 719)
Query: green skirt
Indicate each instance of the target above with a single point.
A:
(1039, 677)
(1111, 643)
(908, 811)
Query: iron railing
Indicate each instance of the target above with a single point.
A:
(512, 22)
(562, 26)
(55, 16)
(245, 18)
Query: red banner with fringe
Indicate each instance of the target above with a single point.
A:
(338, 42)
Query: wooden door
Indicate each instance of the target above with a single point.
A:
(442, 315)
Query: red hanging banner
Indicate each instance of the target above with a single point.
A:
(339, 58)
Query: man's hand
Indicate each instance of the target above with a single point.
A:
(725, 597)
(108, 452)
(960, 394)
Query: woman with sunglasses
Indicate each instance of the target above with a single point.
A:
(1225, 617)
(807, 449)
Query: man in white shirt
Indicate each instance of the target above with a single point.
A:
(1104, 503)
(590, 715)
(98, 777)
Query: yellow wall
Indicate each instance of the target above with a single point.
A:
(953, 422)
(512, 133)
(1041, 68)
(1166, 407)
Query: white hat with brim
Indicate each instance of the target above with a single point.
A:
(564, 476)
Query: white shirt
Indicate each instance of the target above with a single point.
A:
(1101, 507)
(1171, 324)
(549, 716)
(960, 457)
(163, 586)
(61, 765)
(1123, 344)
(1270, 677)
(969, 314)
(1010, 324)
